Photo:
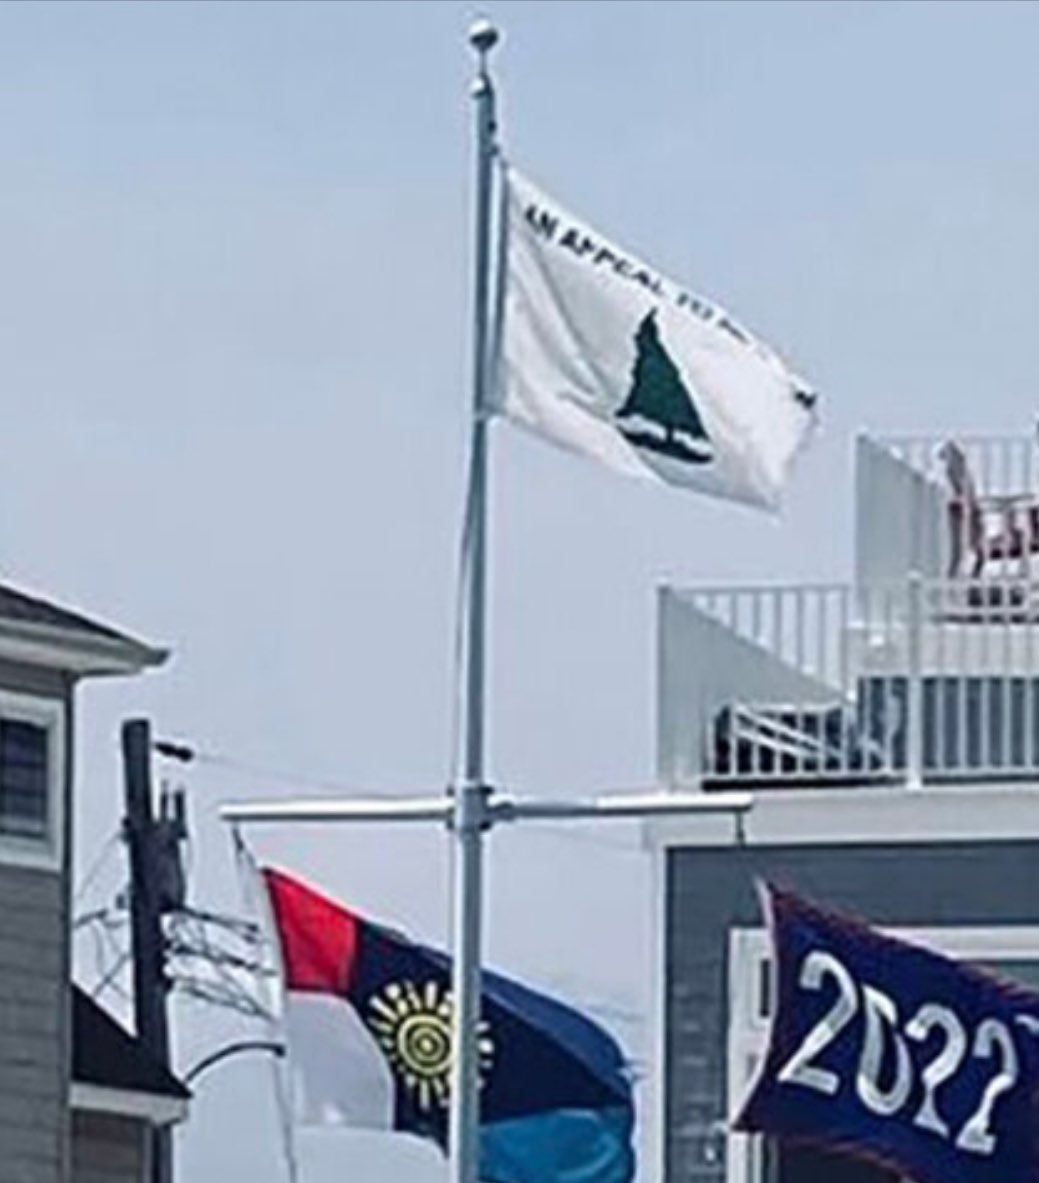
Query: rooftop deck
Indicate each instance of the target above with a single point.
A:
(924, 669)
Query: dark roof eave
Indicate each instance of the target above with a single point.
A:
(106, 1056)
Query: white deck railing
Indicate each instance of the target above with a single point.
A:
(914, 680)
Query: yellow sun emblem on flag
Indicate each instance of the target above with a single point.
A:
(413, 1023)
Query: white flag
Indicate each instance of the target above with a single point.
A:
(604, 355)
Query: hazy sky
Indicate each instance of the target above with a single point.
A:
(233, 358)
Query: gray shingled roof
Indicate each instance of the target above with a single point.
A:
(17, 605)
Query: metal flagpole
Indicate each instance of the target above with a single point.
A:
(469, 818)
(473, 808)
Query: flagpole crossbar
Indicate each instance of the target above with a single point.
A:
(497, 808)
(332, 809)
(618, 807)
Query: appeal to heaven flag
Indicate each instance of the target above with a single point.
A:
(888, 1051)
(368, 1022)
(604, 355)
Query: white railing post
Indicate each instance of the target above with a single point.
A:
(915, 683)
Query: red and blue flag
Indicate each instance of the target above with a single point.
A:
(368, 1015)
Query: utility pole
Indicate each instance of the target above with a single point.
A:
(146, 907)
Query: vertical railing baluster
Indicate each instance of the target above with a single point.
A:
(776, 599)
(981, 669)
(962, 690)
(936, 626)
(895, 684)
(843, 674)
(1004, 756)
(915, 684)
(822, 626)
(1006, 685)
(1028, 621)
(799, 665)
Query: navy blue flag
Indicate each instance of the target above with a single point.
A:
(888, 1051)
(556, 1098)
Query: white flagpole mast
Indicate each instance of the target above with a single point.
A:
(472, 808)
(469, 818)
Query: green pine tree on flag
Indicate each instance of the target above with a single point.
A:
(663, 414)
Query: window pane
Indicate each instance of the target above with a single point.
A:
(23, 778)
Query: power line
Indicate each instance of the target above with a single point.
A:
(184, 753)
(96, 866)
(220, 761)
(109, 978)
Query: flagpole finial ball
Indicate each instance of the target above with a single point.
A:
(483, 35)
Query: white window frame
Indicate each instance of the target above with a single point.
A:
(45, 852)
(750, 1015)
